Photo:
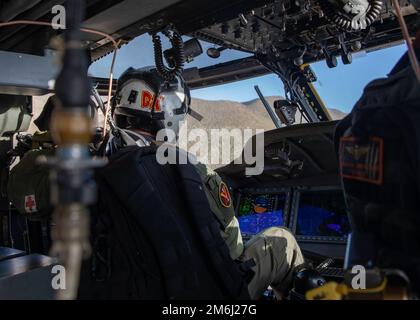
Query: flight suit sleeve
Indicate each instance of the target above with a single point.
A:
(221, 205)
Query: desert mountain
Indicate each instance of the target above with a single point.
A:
(231, 114)
(223, 114)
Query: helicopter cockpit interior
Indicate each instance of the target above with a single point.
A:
(299, 187)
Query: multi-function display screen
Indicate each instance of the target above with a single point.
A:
(322, 214)
(259, 212)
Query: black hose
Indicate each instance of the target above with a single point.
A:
(344, 22)
(179, 58)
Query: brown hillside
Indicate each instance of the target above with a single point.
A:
(231, 114)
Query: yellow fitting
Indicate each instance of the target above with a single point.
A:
(71, 127)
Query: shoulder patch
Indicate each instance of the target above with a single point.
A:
(362, 162)
(224, 195)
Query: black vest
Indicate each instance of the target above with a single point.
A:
(154, 235)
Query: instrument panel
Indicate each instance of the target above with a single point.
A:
(317, 216)
(257, 212)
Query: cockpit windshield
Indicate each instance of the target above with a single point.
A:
(237, 106)
(339, 87)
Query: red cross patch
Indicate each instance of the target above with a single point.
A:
(224, 195)
(30, 204)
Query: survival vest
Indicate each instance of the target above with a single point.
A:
(154, 235)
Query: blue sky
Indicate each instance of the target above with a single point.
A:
(340, 87)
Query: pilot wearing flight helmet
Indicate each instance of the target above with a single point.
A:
(140, 112)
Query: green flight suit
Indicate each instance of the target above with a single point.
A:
(225, 213)
(275, 250)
